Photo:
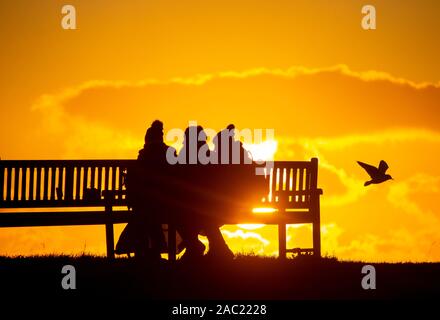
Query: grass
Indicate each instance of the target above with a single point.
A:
(245, 277)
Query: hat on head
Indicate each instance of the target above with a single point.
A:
(157, 124)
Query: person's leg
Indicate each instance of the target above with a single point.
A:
(217, 244)
(148, 234)
(157, 239)
(140, 233)
(142, 244)
(194, 247)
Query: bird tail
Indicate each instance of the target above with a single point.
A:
(367, 183)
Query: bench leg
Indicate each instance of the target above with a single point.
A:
(317, 239)
(282, 240)
(317, 231)
(171, 242)
(110, 239)
(109, 233)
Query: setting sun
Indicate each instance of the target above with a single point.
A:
(263, 151)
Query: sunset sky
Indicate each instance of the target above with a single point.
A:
(307, 69)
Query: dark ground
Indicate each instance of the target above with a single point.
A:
(245, 278)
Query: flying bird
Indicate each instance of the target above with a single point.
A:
(377, 174)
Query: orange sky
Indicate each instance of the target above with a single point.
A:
(305, 68)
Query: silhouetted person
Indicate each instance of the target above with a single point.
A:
(195, 150)
(227, 150)
(377, 175)
(154, 150)
(190, 223)
(148, 235)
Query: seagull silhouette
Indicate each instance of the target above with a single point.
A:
(377, 174)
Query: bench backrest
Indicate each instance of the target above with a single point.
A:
(293, 184)
(79, 183)
(59, 183)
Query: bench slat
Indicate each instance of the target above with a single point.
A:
(120, 177)
(2, 183)
(53, 172)
(60, 187)
(8, 184)
(106, 177)
(273, 218)
(307, 198)
(31, 183)
(99, 186)
(38, 184)
(301, 183)
(85, 184)
(113, 184)
(23, 183)
(92, 177)
(16, 182)
(29, 204)
(41, 219)
(67, 186)
(78, 183)
(31, 219)
(46, 183)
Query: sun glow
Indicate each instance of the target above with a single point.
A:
(263, 210)
(250, 226)
(263, 151)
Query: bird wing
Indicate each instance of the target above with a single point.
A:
(371, 170)
(383, 166)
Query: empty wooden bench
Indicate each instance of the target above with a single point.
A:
(86, 192)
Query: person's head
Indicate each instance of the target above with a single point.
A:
(227, 134)
(154, 132)
(199, 136)
(157, 125)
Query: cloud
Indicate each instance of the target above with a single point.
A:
(401, 193)
(295, 102)
(246, 241)
(374, 142)
(379, 137)
(201, 79)
(398, 245)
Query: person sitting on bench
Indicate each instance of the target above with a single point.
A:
(145, 233)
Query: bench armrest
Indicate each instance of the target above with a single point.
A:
(317, 192)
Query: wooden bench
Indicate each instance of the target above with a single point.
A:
(86, 192)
